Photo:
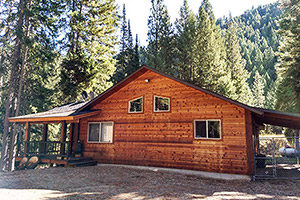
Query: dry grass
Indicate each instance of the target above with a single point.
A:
(121, 183)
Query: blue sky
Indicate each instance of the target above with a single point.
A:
(138, 11)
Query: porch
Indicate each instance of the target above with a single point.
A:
(65, 148)
(57, 151)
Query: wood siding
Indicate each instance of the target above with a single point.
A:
(167, 138)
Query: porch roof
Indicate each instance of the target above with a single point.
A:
(67, 112)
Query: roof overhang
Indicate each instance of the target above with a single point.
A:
(69, 117)
(276, 118)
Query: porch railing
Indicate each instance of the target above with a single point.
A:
(41, 148)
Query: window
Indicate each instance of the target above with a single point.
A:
(209, 129)
(161, 104)
(136, 105)
(100, 132)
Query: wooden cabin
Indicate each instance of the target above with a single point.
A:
(153, 119)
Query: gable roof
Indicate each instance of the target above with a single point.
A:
(145, 68)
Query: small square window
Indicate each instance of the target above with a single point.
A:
(136, 105)
(209, 129)
(100, 132)
(161, 104)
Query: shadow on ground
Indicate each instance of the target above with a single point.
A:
(121, 183)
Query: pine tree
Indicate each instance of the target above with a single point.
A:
(134, 60)
(185, 43)
(123, 42)
(160, 38)
(128, 57)
(288, 93)
(236, 66)
(29, 31)
(211, 70)
(258, 91)
(91, 46)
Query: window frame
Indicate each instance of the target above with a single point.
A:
(206, 126)
(100, 124)
(134, 100)
(161, 110)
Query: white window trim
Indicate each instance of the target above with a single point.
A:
(134, 100)
(161, 110)
(112, 138)
(207, 120)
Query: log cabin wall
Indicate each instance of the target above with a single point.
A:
(167, 138)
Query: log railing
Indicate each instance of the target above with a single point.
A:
(42, 148)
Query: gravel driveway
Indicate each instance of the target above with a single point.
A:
(107, 182)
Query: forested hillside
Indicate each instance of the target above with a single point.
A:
(257, 30)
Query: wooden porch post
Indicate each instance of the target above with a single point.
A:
(70, 147)
(27, 137)
(75, 137)
(44, 139)
(63, 136)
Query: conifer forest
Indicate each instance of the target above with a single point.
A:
(52, 51)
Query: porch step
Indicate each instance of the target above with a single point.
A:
(81, 161)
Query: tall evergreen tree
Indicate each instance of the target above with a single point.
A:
(123, 42)
(133, 53)
(236, 66)
(33, 29)
(160, 38)
(89, 62)
(128, 57)
(258, 91)
(288, 93)
(211, 71)
(186, 43)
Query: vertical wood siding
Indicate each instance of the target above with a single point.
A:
(167, 138)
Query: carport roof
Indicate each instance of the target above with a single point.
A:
(277, 118)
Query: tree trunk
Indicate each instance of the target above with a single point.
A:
(16, 130)
(4, 54)
(12, 84)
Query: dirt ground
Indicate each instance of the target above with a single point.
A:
(106, 182)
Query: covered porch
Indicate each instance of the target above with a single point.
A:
(58, 150)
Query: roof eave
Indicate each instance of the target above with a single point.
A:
(75, 118)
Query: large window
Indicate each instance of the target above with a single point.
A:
(100, 132)
(161, 104)
(136, 105)
(208, 129)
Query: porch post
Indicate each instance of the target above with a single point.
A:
(63, 136)
(27, 137)
(75, 137)
(44, 139)
(70, 147)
